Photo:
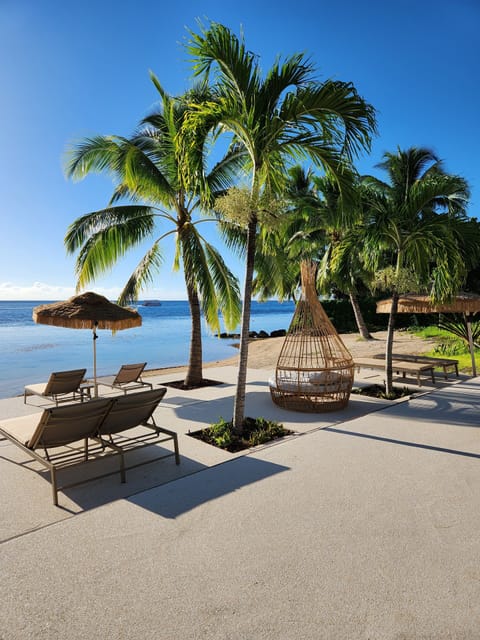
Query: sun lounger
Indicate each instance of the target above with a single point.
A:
(57, 428)
(127, 378)
(62, 386)
(398, 366)
(130, 424)
(83, 432)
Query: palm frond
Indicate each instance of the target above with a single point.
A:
(143, 275)
(217, 48)
(97, 154)
(136, 220)
(227, 290)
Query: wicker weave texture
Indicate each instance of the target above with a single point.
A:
(315, 370)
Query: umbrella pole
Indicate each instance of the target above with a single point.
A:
(95, 385)
(471, 345)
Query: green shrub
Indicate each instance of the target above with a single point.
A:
(255, 431)
(451, 348)
(378, 391)
(221, 433)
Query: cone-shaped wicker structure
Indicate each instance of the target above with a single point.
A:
(314, 370)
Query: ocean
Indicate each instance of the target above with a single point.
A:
(29, 352)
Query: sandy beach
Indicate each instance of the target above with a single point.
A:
(263, 353)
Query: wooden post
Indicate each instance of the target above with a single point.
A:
(470, 344)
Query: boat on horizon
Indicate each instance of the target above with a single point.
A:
(151, 303)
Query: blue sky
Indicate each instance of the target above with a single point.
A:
(74, 69)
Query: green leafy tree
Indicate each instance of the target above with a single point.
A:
(281, 248)
(417, 227)
(342, 267)
(275, 120)
(311, 230)
(149, 173)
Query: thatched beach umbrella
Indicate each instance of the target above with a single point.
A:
(88, 311)
(466, 303)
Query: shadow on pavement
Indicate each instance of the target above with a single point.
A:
(190, 492)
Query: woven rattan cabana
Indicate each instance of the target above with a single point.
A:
(315, 370)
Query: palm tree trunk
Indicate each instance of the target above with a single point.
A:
(239, 404)
(389, 345)
(362, 327)
(194, 372)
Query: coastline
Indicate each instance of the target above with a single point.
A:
(263, 352)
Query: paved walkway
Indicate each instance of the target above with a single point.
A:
(365, 524)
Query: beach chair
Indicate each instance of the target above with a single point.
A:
(58, 428)
(130, 425)
(62, 386)
(127, 378)
(86, 432)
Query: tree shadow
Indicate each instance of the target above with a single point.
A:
(404, 443)
(447, 406)
(192, 491)
(98, 482)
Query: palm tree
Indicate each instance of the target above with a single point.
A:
(149, 173)
(343, 270)
(417, 222)
(276, 121)
(312, 229)
(281, 249)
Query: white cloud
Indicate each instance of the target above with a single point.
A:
(39, 291)
(43, 291)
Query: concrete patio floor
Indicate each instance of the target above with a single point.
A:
(364, 524)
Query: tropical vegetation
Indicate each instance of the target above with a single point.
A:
(149, 172)
(274, 120)
(415, 235)
(256, 431)
(284, 189)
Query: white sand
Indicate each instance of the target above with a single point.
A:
(263, 353)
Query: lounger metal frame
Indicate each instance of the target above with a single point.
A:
(128, 378)
(62, 386)
(104, 445)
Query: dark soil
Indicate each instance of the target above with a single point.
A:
(253, 434)
(378, 391)
(179, 384)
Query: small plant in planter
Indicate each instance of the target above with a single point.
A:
(255, 431)
(378, 391)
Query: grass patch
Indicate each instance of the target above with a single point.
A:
(255, 431)
(448, 346)
(430, 332)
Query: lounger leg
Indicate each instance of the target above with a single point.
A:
(53, 477)
(122, 468)
(177, 453)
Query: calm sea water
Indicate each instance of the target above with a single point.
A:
(29, 352)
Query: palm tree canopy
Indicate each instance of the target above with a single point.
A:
(284, 117)
(274, 121)
(419, 218)
(147, 171)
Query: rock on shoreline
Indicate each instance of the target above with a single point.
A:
(278, 333)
